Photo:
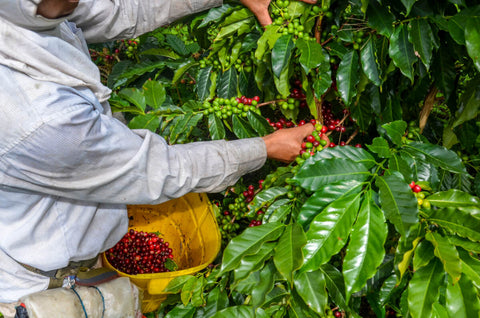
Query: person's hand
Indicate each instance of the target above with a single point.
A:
(260, 9)
(285, 144)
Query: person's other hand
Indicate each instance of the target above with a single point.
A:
(285, 144)
(260, 9)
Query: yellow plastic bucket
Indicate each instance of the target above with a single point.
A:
(189, 225)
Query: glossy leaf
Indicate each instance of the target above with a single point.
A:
(184, 125)
(423, 289)
(421, 35)
(176, 284)
(266, 196)
(453, 198)
(424, 252)
(395, 130)
(148, 121)
(248, 243)
(438, 311)
(242, 128)
(288, 253)
(265, 285)
(324, 196)
(182, 68)
(154, 93)
(329, 231)
(134, 96)
(472, 40)
(267, 40)
(281, 54)
(347, 76)
(380, 18)
(181, 311)
(311, 54)
(397, 163)
(258, 122)
(380, 147)
(330, 171)
(215, 14)
(443, 72)
(255, 262)
(401, 51)
(457, 221)
(437, 155)
(323, 80)
(358, 155)
(176, 44)
(462, 299)
(369, 62)
(335, 284)
(365, 251)
(238, 21)
(470, 266)
(311, 286)
(397, 201)
(187, 290)
(469, 107)
(216, 301)
(464, 243)
(242, 311)
(204, 82)
(215, 127)
(447, 254)
(227, 84)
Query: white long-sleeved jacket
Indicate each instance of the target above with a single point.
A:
(67, 168)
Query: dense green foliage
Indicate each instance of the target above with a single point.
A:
(341, 232)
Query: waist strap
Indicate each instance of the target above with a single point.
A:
(57, 275)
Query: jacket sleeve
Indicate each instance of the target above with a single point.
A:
(85, 155)
(105, 20)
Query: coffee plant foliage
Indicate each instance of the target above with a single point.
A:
(388, 228)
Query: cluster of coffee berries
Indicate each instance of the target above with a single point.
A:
(287, 22)
(332, 123)
(131, 47)
(420, 195)
(243, 63)
(204, 62)
(102, 57)
(181, 31)
(141, 252)
(224, 108)
(281, 123)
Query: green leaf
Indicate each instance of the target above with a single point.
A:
(288, 253)
(265, 196)
(204, 82)
(357, 155)
(421, 36)
(176, 284)
(397, 201)
(457, 220)
(161, 52)
(380, 18)
(323, 79)
(215, 127)
(365, 251)
(267, 40)
(311, 54)
(408, 5)
(241, 128)
(242, 311)
(453, 198)
(255, 262)
(124, 71)
(347, 76)
(227, 84)
(469, 106)
(258, 122)
(282, 84)
(187, 289)
(216, 301)
(424, 289)
(467, 244)
(437, 155)
(265, 285)
(395, 130)
(154, 93)
(439, 311)
(447, 254)
(472, 40)
(183, 125)
(369, 62)
(176, 44)
(401, 51)
(281, 54)
(329, 231)
(134, 96)
(311, 286)
(323, 197)
(248, 243)
(215, 14)
(397, 163)
(380, 147)
(328, 171)
(470, 266)
(148, 121)
(444, 73)
(424, 252)
(462, 299)
(181, 69)
(335, 284)
(238, 21)
(181, 311)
